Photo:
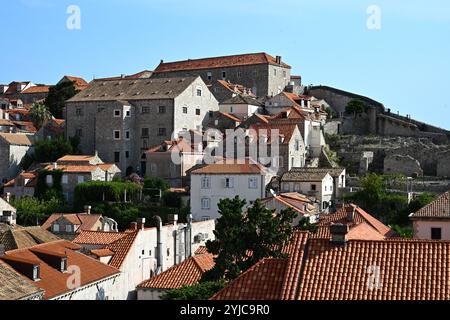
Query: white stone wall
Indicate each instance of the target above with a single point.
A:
(240, 110)
(217, 191)
(422, 228)
(100, 290)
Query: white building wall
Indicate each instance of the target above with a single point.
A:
(217, 191)
(422, 228)
(100, 290)
(240, 110)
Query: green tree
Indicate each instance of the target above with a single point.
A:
(57, 97)
(200, 291)
(356, 106)
(153, 185)
(242, 239)
(39, 115)
(33, 211)
(51, 150)
(373, 190)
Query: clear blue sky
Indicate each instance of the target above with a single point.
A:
(405, 64)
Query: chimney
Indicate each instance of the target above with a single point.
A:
(88, 209)
(140, 223)
(96, 153)
(338, 233)
(159, 256)
(351, 214)
(8, 197)
(172, 219)
(162, 61)
(55, 166)
(278, 59)
(134, 226)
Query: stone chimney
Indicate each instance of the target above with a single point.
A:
(88, 209)
(55, 166)
(278, 58)
(351, 214)
(8, 197)
(339, 233)
(140, 223)
(134, 226)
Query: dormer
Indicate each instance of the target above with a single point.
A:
(57, 260)
(29, 268)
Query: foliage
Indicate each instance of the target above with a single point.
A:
(51, 150)
(34, 211)
(200, 291)
(152, 185)
(172, 199)
(404, 232)
(241, 240)
(43, 190)
(98, 191)
(330, 113)
(39, 115)
(356, 106)
(57, 97)
(305, 225)
(391, 208)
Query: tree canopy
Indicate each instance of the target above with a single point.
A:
(242, 239)
(57, 97)
(356, 106)
(39, 115)
(201, 291)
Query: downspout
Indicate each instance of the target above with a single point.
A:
(159, 257)
(188, 237)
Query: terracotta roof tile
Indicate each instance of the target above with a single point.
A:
(37, 89)
(263, 281)
(53, 281)
(18, 139)
(218, 62)
(85, 221)
(15, 286)
(187, 273)
(284, 130)
(439, 208)
(102, 252)
(73, 168)
(121, 247)
(232, 168)
(98, 237)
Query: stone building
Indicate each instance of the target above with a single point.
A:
(264, 74)
(403, 164)
(121, 119)
(13, 147)
(224, 90)
(241, 106)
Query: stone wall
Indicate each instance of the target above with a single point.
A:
(406, 165)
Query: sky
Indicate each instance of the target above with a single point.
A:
(398, 54)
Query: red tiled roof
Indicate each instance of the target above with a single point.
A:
(79, 83)
(98, 237)
(218, 62)
(75, 158)
(437, 209)
(26, 125)
(121, 248)
(102, 252)
(263, 281)
(85, 221)
(73, 168)
(187, 273)
(232, 168)
(284, 130)
(53, 281)
(37, 89)
(232, 117)
(201, 250)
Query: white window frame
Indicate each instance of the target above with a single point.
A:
(206, 203)
(68, 228)
(119, 115)
(209, 75)
(128, 113)
(114, 134)
(127, 135)
(229, 183)
(197, 91)
(65, 179)
(253, 183)
(80, 179)
(49, 179)
(55, 227)
(206, 183)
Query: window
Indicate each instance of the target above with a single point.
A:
(128, 113)
(80, 179)
(36, 273)
(161, 131)
(325, 188)
(275, 72)
(284, 74)
(56, 227)
(292, 161)
(185, 109)
(116, 134)
(325, 205)
(224, 75)
(117, 113)
(436, 233)
(153, 167)
(127, 154)
(253, 183)
(239, 74)
(49, 179)
(162, 109)
(206, 203)
(79, 112)
(229, 183)
(297, 145)
(68, 228)
(144, 132)
(313, 187)
(63, 264)
(79, 132)
(145, 109)
(199, 92)
(297, 187)
(65, 179)
(206, 183)
(116, 157)
(127, 135)
(197, 112)
(209, 75)
(231, 109)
